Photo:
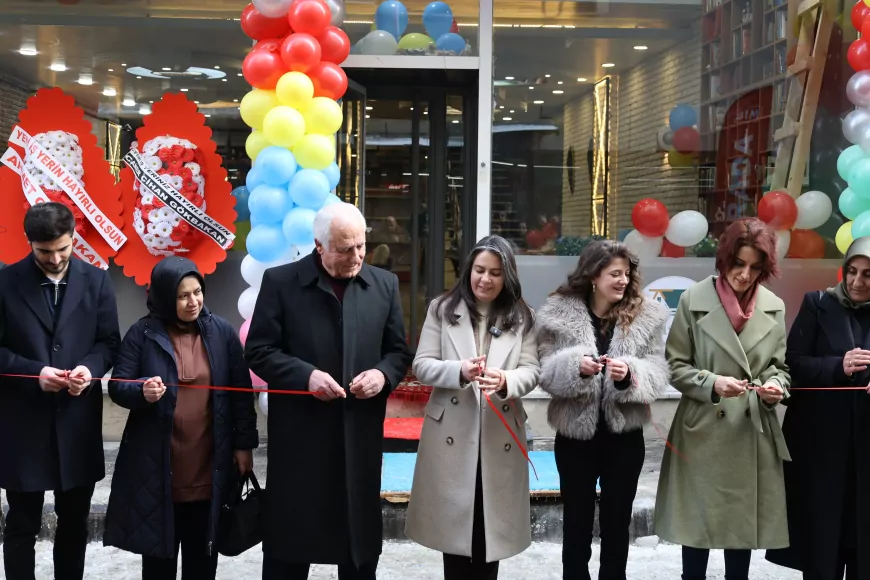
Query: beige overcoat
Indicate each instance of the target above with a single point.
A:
(721, 484)
(460, 427)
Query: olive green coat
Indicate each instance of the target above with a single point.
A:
(721, 484)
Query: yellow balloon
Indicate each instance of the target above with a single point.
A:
(283, 126)
(255, 143)
(255, 105)
(415, 41)
(323, 116)
(844, 237)
(295, 90)
(315, 151)
(677, 159)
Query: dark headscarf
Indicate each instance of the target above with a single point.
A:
(860, 247)
(163, 290)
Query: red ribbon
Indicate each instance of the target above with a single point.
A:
(504, 422)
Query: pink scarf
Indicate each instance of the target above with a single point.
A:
(739, 312)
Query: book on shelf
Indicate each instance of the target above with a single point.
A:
(715, 53)
(781, 28)
(715, 86)
(780, 59)
(747, 41)
(736, 44)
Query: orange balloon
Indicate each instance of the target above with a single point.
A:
(806, 245)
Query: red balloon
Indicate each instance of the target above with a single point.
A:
(455, 27)
(273, 44)
(806, 245)
(300, 52)
(859, 12)
(687, 140)
(334, 45)
(859, 55)
(263, 66)
(778, 210)
(840, 274)
(671, 250)
(258, 27)
(329, 80)
(309, 16)
(650, 217)
(536, 239)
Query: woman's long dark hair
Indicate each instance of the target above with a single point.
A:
(509, 304)
(593, 259)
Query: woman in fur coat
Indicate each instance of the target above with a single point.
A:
(601, 346)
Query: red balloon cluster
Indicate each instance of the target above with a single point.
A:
(650, 217)
(302, 41)
(778, 210)
(687, 140)
(859, 51)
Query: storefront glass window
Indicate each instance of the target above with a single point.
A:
(599, 105)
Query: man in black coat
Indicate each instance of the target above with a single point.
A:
(58, 322)
(331, 325)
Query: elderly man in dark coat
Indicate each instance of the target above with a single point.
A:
(331, 325)
(58, 322)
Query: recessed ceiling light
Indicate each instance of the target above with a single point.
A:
(547, 76)
(166, 68)
(369, 108)
(123, 64)
(558, 92)
(144, 110)
(501, 106)
(368, 116)
(224, 80)
(184, 90)
(425, 112)
(506, 119)
(509, 78)
(539, 102)
(455, 122)
(58, 67)
(560, 83)
(641, 47)
(235, 100)
(581, 80)
(28, 51)
(412, 108)
(86, 80)
(512, 111)
(111, 70)
(138, 77)
(207, 115)
(152, 102)
(129, 103)
(239, 75)
(531, 88)
(218, 68)
(608, 65)
(109, 92)
(197, 102)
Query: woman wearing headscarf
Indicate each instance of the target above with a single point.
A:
(828, 431)
(470, 497)
(721, 482)
(175, 467)
(602, 360)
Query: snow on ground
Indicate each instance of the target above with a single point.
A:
(402, 561)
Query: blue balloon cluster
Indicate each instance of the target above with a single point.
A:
(682, 115)
(438, 19)
(392, 16)
(283, 201)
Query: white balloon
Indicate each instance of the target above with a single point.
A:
(687, 228)
(272, 8)
(252, 271)
(378, 42)
(645, 247)
(783, 240)
(247, 301)
(264, 403)
(854, 125)
(814, 209)
(858, 89)
(336, 8)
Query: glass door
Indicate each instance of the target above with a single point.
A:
(351, 152)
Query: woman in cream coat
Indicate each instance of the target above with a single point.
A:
(470, 498)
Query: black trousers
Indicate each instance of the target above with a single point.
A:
(617, 459)
(24, 521)
(191, 535)
(476, 567)
(695, 563)
(275, 569)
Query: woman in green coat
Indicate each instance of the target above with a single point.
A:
(721, 484)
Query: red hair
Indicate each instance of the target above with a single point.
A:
(750, 232)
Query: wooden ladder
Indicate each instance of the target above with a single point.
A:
(804, 82)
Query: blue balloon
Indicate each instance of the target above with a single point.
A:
(851, 204)
(269, 204)
(309, 188)
(253, 179)
(847, 160)
(682, 116)
(451, 42)
(331, 199)
(299, 226)
(266, 243)
(333, 175)
(861, 226)
(438, 19)
(392, 16)
(242, 194)
(276, 164)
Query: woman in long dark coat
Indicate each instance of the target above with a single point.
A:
(175, 465)
(828, 432)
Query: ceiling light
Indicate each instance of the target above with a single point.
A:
(369, 108)
(558, 92)
(111, 70)
(235, 100)
(145, 110)
(207, 116)
(455, 122)
(501, 106)
(58, 67)
(218, 68)
(123, 64)
(608, 65)
(129, 103)
(239, 75)
(641, 47)
(425, 112)
(28, 51)
(512, 111)
(547, 76)
(560, 83)
(509, 78)
(166, 68)
(412, 108)
(109, 92)
(86, 80)
(368, 116)
(138, 77)
(506, 119)
(224, 80)
(184, 90)
(152, 102)
(197, 102)
(531, 88)
(581, 80)
(539, 102)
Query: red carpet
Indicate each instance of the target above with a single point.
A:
(408, 429)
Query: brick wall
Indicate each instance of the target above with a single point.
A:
(12, 99)
(641, 99)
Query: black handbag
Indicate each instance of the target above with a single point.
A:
(239, 528)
